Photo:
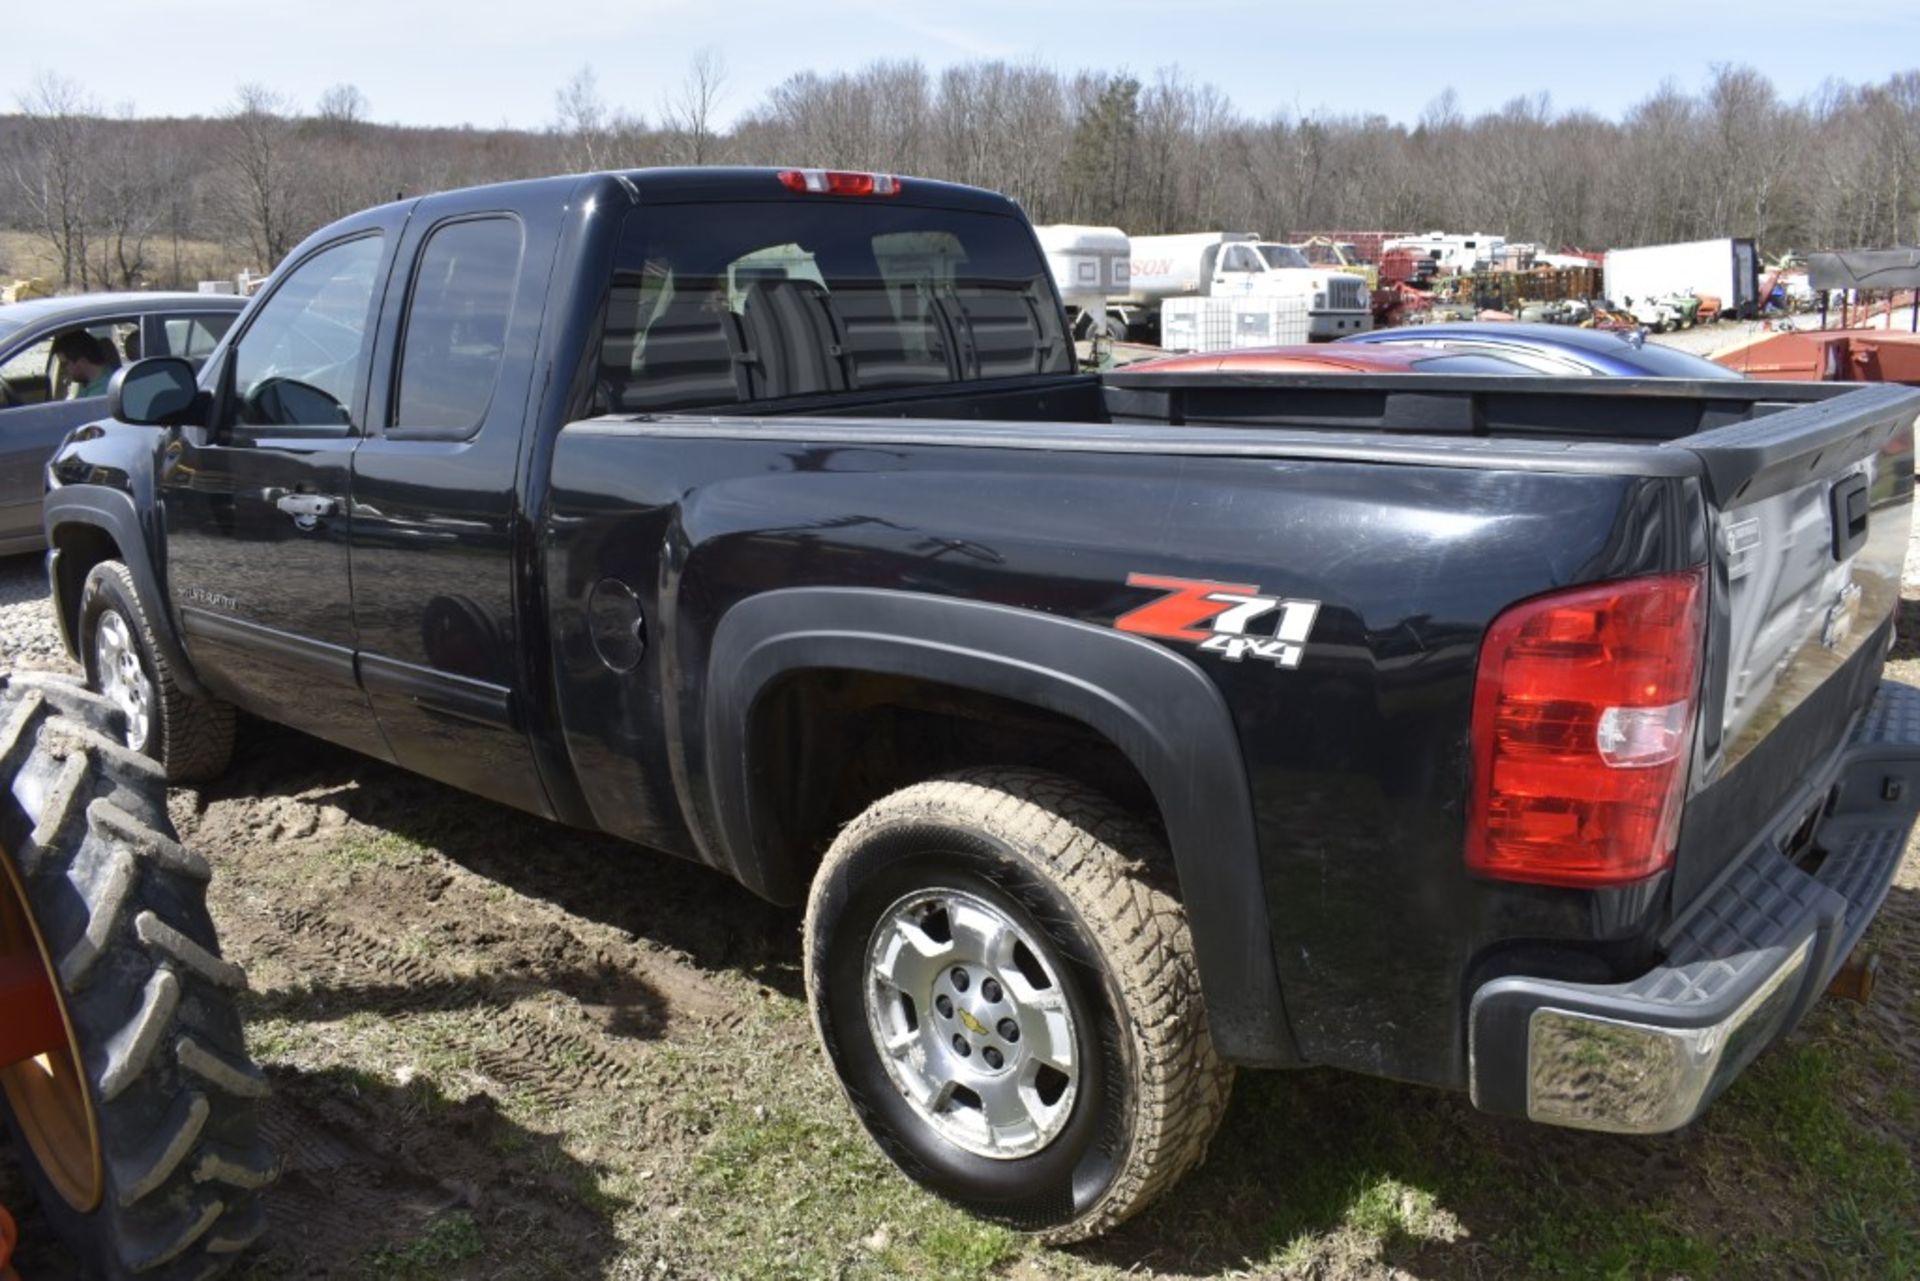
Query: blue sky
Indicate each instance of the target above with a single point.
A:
(488, 62)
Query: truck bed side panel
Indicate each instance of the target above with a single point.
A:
(1356, 758)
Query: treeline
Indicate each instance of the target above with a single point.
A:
(115, 200)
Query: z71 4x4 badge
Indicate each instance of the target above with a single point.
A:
(1233, 620)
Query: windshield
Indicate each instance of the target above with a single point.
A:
(716, 304)
(1283, 256)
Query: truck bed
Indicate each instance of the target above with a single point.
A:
(1414, 509)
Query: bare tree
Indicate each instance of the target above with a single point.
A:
(583, 122)
(129, 186)
(52, 167)
(118, 200)
(262, 179)
(690, 112)
(342, 109)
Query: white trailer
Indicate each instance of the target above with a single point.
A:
(1728, 268)
(1453, 252)
(1089, 267)
(1239, 265)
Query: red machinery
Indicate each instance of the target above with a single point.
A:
(1370, 243)
(1836, 355)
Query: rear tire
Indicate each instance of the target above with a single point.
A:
(192, 738)
(1107, 989)
(121, 907)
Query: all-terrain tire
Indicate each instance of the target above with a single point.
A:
(121, 905)
(191, 737)
(1095, 886)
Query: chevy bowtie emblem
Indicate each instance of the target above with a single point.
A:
(974, 1025)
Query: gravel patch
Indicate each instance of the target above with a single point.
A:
(28, 636)
(1704, 340)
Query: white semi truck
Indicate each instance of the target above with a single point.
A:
(1239, 270)
(1727, 268)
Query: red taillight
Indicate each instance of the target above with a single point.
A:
(1583, 715)
(839, 182)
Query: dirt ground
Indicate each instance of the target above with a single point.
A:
(500, 1048)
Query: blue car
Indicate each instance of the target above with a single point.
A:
(1556, 349)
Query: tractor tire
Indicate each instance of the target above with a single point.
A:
(1004, 982)
(120, 905)
(191, 737)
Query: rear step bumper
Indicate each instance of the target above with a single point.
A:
(1743, 965)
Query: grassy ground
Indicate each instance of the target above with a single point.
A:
(24, 255)
(502, 1049)
(674, 1119)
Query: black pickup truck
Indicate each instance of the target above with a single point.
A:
(1517, 735)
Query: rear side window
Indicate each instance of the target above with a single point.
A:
(456, 327)
(193, 338)
(718, 304)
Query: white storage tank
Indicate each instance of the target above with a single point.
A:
(1229, 324)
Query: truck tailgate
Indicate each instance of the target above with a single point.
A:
(1809, 515)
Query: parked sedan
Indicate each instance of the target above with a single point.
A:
(1331, 358)
(44, 395)
(1552, 349)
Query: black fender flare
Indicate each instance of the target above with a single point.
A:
(1156, 706)
(113, 511)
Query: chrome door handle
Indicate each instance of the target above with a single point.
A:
(307, 506)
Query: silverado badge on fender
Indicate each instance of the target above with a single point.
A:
(1219, 617)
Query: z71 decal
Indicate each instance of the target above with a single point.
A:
(1233, 620)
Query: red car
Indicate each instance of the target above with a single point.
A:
(1326, 358)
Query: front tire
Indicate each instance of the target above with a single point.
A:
(1005, 984)
(191, 738)
(141, 1138)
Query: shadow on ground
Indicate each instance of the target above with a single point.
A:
(1906, 640)
(646, 894)
(385, 1180)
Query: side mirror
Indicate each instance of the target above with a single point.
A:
(157, 392)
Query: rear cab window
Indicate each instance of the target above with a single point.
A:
(721, 304)
(456, 328)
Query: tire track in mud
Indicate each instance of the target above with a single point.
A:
(511, 1047)
(366, 1165)
(366, 1162)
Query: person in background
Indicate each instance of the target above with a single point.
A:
(86, 363)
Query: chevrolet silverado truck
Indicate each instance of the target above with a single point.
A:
(1515, 735)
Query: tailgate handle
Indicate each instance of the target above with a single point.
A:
(1849, 516)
